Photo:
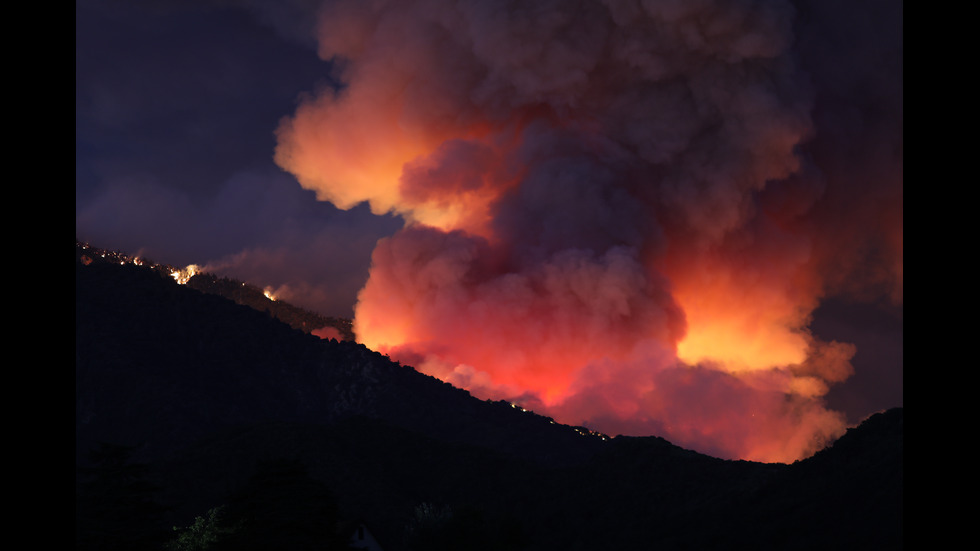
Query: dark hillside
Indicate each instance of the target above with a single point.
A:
(161, 365)
(239, 292)
(199, 399)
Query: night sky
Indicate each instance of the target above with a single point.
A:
(616, 187)
(176, 108)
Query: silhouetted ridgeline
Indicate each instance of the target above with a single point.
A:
(237, 291)
(253, 297)
(200, 404)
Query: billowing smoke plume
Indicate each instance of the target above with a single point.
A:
(616, 212)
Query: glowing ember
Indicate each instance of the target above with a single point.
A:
(183, 276)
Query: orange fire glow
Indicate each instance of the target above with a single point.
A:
(607, 221)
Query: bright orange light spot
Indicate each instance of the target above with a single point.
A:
(743, 310)
(740, 340)
(183, 276)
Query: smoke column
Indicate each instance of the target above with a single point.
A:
(620, 214)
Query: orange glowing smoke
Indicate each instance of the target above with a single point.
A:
(608, 215)
(328, 333)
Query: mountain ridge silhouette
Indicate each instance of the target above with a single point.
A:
(205, 390)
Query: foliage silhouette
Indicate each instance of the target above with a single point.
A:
(445, 528)
(282, 507)
(204, 533)
(115, 503)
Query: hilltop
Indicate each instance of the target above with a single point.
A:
(203, 393)
(237, 291)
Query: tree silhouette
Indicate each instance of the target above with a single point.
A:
(282, 507)
(204, 533)
(115, 507)
(445, 528)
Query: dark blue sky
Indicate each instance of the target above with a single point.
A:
(175, 111)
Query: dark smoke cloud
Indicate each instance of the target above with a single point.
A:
(624, 212)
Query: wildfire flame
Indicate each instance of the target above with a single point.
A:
(184, 275)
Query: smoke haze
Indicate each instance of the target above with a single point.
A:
(677, 218)
(622, 214)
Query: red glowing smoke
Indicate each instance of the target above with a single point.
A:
(613, 211)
